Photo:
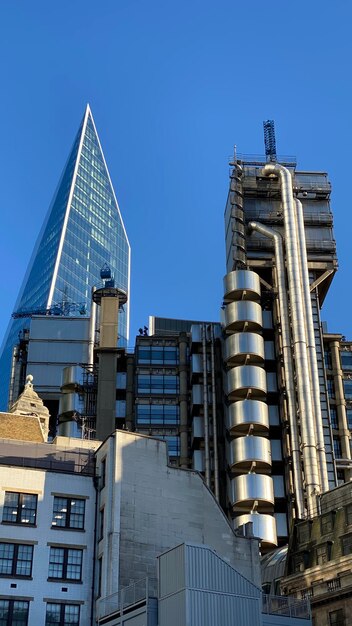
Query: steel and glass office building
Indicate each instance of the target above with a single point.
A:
(83, 230)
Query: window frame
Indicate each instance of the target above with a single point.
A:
(65, 564)
(340, 615)
(15, 560)
(20, 508)
(11, 602)
(62, 606)
(68, 513)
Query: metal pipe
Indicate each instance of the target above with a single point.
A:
(206, 415)
(311, 347)
(182, 342)
(344, 431)
(308, 439)
(215, 426)
(288, 362)
(92, 322)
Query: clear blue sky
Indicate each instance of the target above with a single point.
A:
(172, 86)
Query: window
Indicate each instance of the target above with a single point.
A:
(68, 513)
(157, 355)
(173, 444)
(322, 554)
(65, 563)
(346, 360)
(347, 545)
(164, 414)
(348, 511)
(15, 559)
(326, 523)
(333, 417)
(20, 508)
(157, 384)
(337, 448)
(327, 359)
(101, 524)
(331, 388)
(347, 384)
(337, 618)
(62, 614)
(13, 612)
(303, 532)
(349, 418)
(340, 476)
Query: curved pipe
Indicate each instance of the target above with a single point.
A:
(311, 347)
(309, 451)
(288, 361)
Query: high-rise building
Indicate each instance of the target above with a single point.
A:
(281, 258)
(82, 232)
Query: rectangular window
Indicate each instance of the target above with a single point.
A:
(331, 388)
(337, 448)
(347, 384)
(337, 618)
(157, 384)
(65, 563)
(346, 360)
(157, 355)
(327, 359)
(347, 545)
(326, 523)
(322, 554)
(348, 511)
(62, 614)
(164, 414)
(16, 559)
(349, 418)
(333, 417)
(20, 508)
(68, 513)
(173, 444)
(13, 613)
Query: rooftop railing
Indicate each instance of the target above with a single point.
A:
(46, 456)
(287, 606)
(127, 597)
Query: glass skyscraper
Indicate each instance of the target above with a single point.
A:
(82, 231)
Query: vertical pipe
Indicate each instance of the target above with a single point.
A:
(183, 400)
(299, 340)
(311, 347)
(215, 426)
(340, 404)
(14, 366)
(92, 321)
(129, 391)
(288, 362)
(206, 415)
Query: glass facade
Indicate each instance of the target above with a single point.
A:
(83, 230)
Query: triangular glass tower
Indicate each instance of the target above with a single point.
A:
(82, 231)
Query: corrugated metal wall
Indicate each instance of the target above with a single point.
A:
(208, 592)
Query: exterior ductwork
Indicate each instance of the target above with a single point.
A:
(304, 392)
(249, 451)
(288, 362)
(312, 355)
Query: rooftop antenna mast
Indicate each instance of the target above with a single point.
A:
(269, 140)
